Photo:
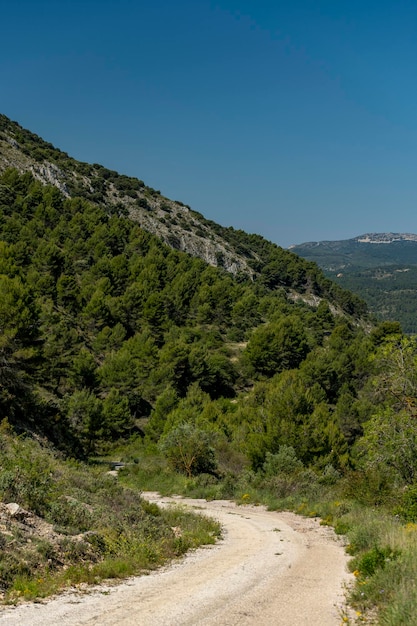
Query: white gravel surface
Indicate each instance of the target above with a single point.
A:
(269, 569)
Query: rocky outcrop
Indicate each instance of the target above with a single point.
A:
(51, 174)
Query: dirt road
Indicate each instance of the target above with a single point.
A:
(270, 569)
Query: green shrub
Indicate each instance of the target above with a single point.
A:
(341, 527)
(376, 558)
(408, 507)
(70, 514)
(189, 450)
(26, 477)
(330, 476)
(283, 462)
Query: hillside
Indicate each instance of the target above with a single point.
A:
(380, 267)
(244, 256)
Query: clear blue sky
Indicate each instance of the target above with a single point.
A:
(294, 119)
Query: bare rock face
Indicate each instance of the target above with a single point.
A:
(50, 174)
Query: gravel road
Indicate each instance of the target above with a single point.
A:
(270, 569)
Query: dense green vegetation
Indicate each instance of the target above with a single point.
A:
(114, 344)
(277, 268)
(390, 292)
(101, 322)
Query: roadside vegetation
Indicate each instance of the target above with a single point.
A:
(77, 524)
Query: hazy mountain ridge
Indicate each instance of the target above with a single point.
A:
(369, 250)
(374, 238)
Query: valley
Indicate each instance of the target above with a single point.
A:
(380, 267)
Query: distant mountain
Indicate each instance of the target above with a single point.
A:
(385, 237)
(380, 267)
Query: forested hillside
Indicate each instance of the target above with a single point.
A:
(101, 320)
(268, 383)
(244, 256)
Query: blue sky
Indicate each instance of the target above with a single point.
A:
(296, 120)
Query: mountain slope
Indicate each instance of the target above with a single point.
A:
(172, 221)
(245, 256)
(380, 267)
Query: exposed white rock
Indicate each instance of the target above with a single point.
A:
(15, 510)
(385, 237)
(50, 174)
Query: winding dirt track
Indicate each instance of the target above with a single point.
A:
(270, 569)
